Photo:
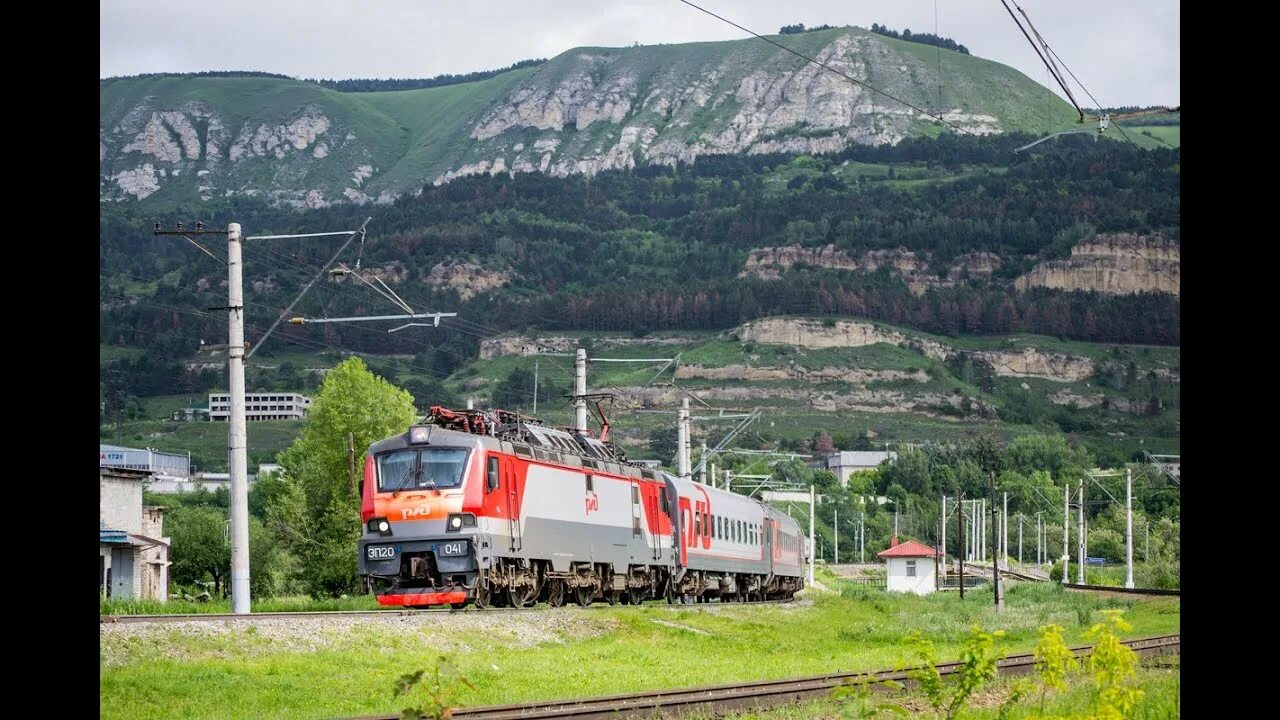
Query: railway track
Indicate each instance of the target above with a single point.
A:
(1126, 591)
(215, 617)
(719, 699)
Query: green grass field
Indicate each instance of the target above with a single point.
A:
(240, 672)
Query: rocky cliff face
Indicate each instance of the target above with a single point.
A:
(769, 263)
(1115, 264)
(466, 278)
(587, 110)
(837, 334)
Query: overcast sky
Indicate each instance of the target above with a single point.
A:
(1125, 51)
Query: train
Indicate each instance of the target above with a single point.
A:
(495, 509)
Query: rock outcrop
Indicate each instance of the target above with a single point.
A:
(465, 278)
(1116, 264)
(586, 111)
(769, 263)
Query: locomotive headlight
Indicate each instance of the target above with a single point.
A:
(379, 525)
(383, 526)
(457, 521)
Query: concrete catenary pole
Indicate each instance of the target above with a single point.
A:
(1080, 537)
(1128, 528)
(579, 390)
(237, 436)
(961, 537)
(995, 546)
(1039, 549)
(1004, 531)
(535, 386)
(812, 507)
(1066, 522)
(944, 531)
(682, 437)
(982, 530)
(835, 523)
(1019, 538)
(702, 474)
(862, 539)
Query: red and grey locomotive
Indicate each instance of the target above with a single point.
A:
(495, 509)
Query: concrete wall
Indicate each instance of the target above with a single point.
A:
(120, 503)
(152, 566)
(922, 584)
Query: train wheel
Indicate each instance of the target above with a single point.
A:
(482, 598)
(584, 595)
(526, 598)
(555, 594)
(611, 597)
(457, 606)
(637, 595)
(501, 598)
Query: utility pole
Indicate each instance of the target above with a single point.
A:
(702, 471)
(580, 390)
(535, 386)
(862, 539)
(238, 438)
(982, 532)
(836, 524)
(1146, 550)
(1004, 531)
(995, 566)
(682, 436)
(944, 531)
(1066, 520)
(1128, 527)
(962, 548)
(812, 497)
(1039, 553)
(237, 433)
(1080, 537)
(1019, 538)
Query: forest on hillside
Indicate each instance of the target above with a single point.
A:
(661, 248)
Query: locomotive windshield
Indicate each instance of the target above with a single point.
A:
(432, 469)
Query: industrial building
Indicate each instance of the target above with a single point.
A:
(166, 465)
(261, 406)
(133, 554)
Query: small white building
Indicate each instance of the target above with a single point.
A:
(844, 464)
(909, 567)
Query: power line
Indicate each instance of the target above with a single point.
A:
(1086, 92)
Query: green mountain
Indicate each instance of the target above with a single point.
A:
(169, 139)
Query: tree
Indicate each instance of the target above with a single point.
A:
(318, 512)
(911, 471)
(663, 441)
(199, 545)
(822, 444)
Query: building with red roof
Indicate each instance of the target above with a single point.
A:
(910, 567)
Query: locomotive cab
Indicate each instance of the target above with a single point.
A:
(418, 545)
